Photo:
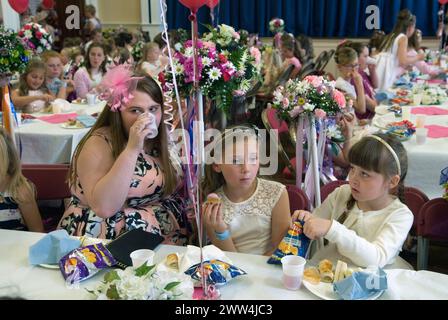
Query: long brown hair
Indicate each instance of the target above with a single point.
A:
(370, 154)
(214, 180)
(35, 64)
(119, 139)
(87, 58)
(405, 20)
(10, 167)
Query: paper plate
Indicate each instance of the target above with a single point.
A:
(65, 125)
(325, 291)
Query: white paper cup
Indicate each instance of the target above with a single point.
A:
(420, 135)
(417, 99)
(91, 99)
(420, 121)
(293, 267)
(142, 256)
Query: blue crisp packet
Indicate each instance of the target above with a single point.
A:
(51, 248)
(361, 285)
(443, 176)
(86, 120)
(294, 243)
(383, 95)
(218, 272)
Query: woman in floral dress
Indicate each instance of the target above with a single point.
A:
(121, 179)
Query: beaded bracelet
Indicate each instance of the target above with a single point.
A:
(223, 236)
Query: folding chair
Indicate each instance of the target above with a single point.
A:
(298, 200)
(328, 188)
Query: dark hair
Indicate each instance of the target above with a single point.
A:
(122, 39)
(413, 41)
(371, 154)
(357, 46)
(87, 59)
(289, 42)
(376, 39)
(307, 44)
(405, 20)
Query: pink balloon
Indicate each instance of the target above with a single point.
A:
(193, 5)
(19, 6)
(48, 4)
(213, 3)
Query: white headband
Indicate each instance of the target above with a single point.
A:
(394, 154)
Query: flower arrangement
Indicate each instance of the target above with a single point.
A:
(144, 283)
(137, 51)
(444, 182)
(313, 95)
(35, 38)
(276, 25)
(13, 54)
(430, 94)
(225, 67)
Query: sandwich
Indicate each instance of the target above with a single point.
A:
(326, 271)
(213, 198)
(341, 271)
(312, 275)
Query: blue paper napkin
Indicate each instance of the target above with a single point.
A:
(86, 120)
(51, 248)
(361, 285)
(383, 95)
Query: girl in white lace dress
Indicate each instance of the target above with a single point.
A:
(253, 214)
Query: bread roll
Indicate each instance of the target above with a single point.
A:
(312, 275)
(213, 198)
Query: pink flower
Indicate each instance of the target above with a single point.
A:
(315, 81)
(238, 93)
(226, 76)
(320, 114)
(339, 97)
(285, 102)
(27, 27)
(255, 52)
(295, 112)
(222, 58)
(209, 45)
(236, 35)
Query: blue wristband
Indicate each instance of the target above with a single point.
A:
(223, 236)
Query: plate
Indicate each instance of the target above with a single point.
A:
(65, 125)
(49, 266)
(325, 291)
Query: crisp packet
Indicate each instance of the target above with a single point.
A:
(217, 272)
(361, 285)
(82, 263)
(294, 243)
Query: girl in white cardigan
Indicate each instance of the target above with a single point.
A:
(364, 223)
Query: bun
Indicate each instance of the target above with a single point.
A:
(172, 261)
(312, 275)
(340, 273)
(213, 198)
(325, 266)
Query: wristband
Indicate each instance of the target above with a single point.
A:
(223, 236)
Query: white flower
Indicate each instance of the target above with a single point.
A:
(308, 107)
(206, 61)
(214, 74)
(178, 46)
(28, 34)
(188, 52)
(133, 288)
(178, 68)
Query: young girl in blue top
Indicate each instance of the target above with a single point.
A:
(18, 207)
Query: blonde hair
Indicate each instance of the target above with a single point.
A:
(10, 167)
(345, 55)
(214, 180)
(47, 55)
(146, 48)
(119, 139)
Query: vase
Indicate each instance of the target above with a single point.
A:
(216, 117)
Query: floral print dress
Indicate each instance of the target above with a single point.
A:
(145, 208)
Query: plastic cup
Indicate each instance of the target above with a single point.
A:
(142, 256)
(91, 99)
(293, 267)
(152, 125)
(406, 113)
(420, 121)
(421, 134)
(417, 99)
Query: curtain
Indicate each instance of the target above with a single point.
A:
(315, 18)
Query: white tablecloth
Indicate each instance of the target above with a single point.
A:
(424, 161)
(46, 143)
(262, 282)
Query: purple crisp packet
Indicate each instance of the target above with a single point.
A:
(82, 263)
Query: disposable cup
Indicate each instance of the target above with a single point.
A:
(421, 134)
(420, 121)
(293, 267)
(142, 256)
